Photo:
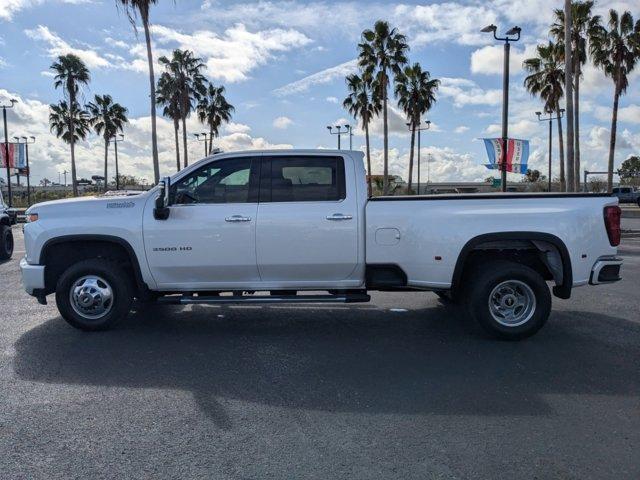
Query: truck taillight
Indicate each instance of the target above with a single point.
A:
(612, 223)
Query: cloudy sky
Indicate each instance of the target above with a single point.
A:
(283, 64)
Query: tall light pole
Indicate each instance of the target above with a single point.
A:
(204, 139)
(339, 132)
(26, 151)
(419, 129)
(350, 130)
(65, 177)
(512, 35)
(115, 139)
(12, 102)
(550, 119)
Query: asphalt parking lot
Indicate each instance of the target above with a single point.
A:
(404, 387)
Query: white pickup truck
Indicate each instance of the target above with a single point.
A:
(281, 226)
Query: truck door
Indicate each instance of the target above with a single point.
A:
(307, 230)
(208, 241)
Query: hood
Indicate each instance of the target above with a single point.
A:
(90, 203)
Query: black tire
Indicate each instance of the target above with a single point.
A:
(107, 273)
(503, 277)
(6, 242)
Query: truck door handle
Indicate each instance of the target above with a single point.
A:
(237, 218)
(339, 216)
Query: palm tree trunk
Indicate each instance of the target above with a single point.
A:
(576, 114)
(568, 87)
(106, 154)
(563, 181)
(184, 141)
(385, 177)
(152, 84)
(210, 138)
(413, 142)
(74, 183)
(176, 127)
(366, 136)
(612, 141)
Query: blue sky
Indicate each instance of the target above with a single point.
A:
(283, 64)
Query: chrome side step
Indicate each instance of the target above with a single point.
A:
(262, 299)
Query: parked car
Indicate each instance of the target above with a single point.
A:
(6, 235)
(626, 195)
(290, 223)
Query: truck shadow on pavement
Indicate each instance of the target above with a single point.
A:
(365, 359)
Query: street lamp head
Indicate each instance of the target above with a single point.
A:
(538, 113)
(562, 110)
(514, 31)
(33, 138)
(17, 139)
(489, 29)
(13, 101)
(428, 122)
(197, 135)
(347, 126)
(329, 127)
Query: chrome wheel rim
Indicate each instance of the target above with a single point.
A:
(91, 297)
(512, 303)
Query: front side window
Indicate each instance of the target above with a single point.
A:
(305, 179)
(222, 181)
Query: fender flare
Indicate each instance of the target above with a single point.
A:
(99, 238)
(561, 291)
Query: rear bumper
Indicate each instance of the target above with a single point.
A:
(32, 276)
(606, 270)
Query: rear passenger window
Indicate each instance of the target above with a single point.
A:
(306, 179)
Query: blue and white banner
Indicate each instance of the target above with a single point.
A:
(517, 154)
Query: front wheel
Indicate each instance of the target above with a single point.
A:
(509, 300)
(6, 242)
(94, 294)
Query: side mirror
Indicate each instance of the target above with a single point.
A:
(161, 211)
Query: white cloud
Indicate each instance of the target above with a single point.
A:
(332, 100)
(324, 76)
(629, 114)
(465, 92)
(282, 123)
(489, 60)
(519, 129)
(446, 22)
(58, 46)
(231, 56)
(461, 129)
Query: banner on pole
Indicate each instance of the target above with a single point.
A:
(517, 154)
(17, 156)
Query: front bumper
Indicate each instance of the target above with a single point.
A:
(32, 276)
(606, 270)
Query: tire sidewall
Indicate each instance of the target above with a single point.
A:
(479, 300)
(6, 242)
(113, 274)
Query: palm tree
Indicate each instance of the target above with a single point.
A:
(583, 26)
(133, 9)
(185, 69)
(71, 124)
(382, 52)
(168, 98)
(616, 51)
(214, 110)
(416, 93)
(363, 104)
(69, 74)
(107, 118)
(546, 80)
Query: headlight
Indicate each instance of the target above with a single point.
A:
(31, 217)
